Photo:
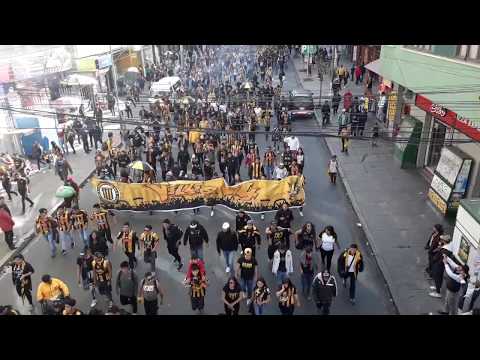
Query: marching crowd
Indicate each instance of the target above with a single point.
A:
(212, 126)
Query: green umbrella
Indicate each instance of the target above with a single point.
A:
(65, 192)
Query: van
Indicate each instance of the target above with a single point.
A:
(167, 86)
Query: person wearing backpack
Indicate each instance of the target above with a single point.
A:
(350, 263)
(148, 295)
(127, 286)
(173, 236)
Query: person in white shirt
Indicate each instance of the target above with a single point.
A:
(293, 143)
(350, 263)
(333, 169)
(328, 240)
(282, 264)
(455, 278)
(280, 172)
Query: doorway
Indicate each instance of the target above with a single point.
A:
(437, 141)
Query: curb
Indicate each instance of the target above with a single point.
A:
(22, 244)
(370, 242)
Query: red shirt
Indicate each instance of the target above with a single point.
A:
(6, 222)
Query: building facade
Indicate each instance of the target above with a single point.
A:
(439, 85)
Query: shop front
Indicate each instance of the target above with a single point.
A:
(445, 128)
(466, 235)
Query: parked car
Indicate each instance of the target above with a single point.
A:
(299, 103)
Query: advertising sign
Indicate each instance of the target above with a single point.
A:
(449, 166)
(104, 61)
(462, 178)
(392, 106)
(464, 250)
(437, 201)
(441, 187)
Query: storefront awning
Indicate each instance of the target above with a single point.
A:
(375, 67)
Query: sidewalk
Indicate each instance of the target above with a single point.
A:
(43, 185)
(393, 209)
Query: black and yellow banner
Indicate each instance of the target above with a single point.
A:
(252, 195)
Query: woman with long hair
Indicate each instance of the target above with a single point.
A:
(260, 296)
(305, 236)
(328, 239)
(287, 297)
(232, 295)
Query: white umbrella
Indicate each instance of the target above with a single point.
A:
(133, 69)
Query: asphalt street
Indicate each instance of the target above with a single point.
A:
(326, 204)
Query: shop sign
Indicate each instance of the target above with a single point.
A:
(437, 201)
(449, 165)
(448, 117)
(392, 106)
(104, 61)
(464, 250)
(441, 187)
(462, 178)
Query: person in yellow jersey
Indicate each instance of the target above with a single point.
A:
(149, 241)
(49, 291)
(129, 241)
(100, 217)
(102, 278)
(43, 227)
(80, 223)
(64, 221)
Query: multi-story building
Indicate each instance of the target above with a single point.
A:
(440, 84)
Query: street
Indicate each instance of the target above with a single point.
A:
(325, 204)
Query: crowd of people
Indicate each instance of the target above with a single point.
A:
(225, 97)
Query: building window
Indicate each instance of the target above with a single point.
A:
(473, 53)
(468, 52)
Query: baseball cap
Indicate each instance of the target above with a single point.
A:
(226, 226)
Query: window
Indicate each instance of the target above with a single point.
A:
(468, 52)
(473, 53)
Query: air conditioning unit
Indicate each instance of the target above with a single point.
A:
(408, 94)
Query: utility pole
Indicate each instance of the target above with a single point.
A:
(114, 72)
(154, 56)
(320, 75)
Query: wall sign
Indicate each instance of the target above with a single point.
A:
(464, 250)
(449, 165)
(437, 201)
(441, 187)
(448, 117)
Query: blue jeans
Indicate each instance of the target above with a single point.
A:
(198, 252)
(229, 255)
(281, 275)
(258, 309)
(83, 234)
(247, 286)
(268, 171)
(307, 280)
(66, 239)
(51, 242)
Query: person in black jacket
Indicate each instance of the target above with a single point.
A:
(183, 158)
(324, 289)
(195, 235)
(325, 113)
(7, 185)
(349, 264)
(97, 243)
(22, 186)
(231, 166)
(439, 249)
(22, 278)
(227, 242)
(241, 220)
(284, 216)
(173, 236)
